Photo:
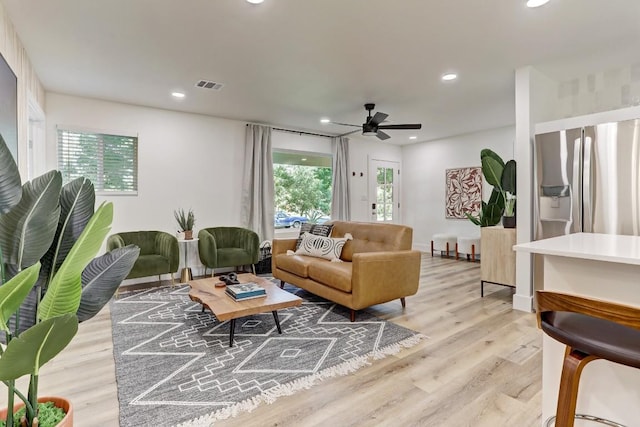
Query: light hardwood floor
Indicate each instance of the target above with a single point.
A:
(481, 366)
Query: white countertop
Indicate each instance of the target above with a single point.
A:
(599, 247)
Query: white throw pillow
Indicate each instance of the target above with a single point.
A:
(322, 247)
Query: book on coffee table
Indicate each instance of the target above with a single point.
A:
(245, 290)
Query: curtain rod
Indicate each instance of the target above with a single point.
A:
(299, 132)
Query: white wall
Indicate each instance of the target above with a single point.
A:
(184, 161)
(423, 176)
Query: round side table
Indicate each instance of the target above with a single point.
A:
(185, 274)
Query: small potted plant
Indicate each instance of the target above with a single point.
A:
(186, 221)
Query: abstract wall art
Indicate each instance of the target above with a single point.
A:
(463, 192)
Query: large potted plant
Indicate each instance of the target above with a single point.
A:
(49, 278)
(502, 176)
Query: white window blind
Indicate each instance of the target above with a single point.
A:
(109, 161)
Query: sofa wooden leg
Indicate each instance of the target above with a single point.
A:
(353, 315)
(403, 302)
(281, 284)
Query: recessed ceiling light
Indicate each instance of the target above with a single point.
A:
(255, 1)
(449, 76)
(325, 120)
(177, 94)
(413, 137)
(536, 3)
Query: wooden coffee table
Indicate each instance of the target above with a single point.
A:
(225, 308)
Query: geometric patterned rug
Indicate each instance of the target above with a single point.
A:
(174, 365)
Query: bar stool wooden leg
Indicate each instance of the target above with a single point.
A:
(457, 255)
(447, 249)
(473, 252)
(574, 363)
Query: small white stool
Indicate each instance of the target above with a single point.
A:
(468, 245)
(443, 243)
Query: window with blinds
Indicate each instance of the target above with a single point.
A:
(109, 161)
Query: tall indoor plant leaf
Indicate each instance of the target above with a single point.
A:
(101, 278)
(27, 230)
(64, 292)
(77, 202)
(26, 354)
(14, 292)
(10, 184)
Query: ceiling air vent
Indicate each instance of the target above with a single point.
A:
(207, 84)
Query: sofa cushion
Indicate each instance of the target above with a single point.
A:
(333, 274)
(295, 264)
(372, 237)
(322, 247)
(323, 230)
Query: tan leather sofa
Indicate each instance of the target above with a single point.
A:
(378, 266)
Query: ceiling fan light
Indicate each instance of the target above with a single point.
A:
(325, 120)
(536, 3)
(369, 133)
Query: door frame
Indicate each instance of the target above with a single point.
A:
(373, 164)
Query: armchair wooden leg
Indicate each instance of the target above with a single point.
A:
(253, 269)
(173, 281)
(353, 315)
(213, 272)
(403, 302)
(574, 363)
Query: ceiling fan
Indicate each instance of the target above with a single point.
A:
(372, 125)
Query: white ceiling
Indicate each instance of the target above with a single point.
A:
(290, 62)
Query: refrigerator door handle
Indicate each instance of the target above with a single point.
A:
(587, 195)
(576, 196)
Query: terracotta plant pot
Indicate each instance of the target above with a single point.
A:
(60, 402)
(188, 235)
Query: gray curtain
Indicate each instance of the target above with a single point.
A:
(341, 195)
(257, 186)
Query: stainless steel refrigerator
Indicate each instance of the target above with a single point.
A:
(588, 180)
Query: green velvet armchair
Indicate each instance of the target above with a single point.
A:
(228, 247)
(159, 252)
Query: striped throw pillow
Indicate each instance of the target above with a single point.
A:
(323, 230)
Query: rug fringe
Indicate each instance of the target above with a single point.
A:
(271, 395)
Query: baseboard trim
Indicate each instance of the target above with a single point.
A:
(523, 303)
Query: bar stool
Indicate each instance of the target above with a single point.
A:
(591, 329)
(469, 245)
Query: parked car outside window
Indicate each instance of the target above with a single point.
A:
(285, 220)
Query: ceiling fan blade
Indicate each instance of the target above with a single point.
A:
(405, 126)
(381, 135)
(377, 118)
(345, 124)
(349, 133)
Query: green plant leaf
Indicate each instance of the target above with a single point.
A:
(77, 202)
(490, 153)
(14, 292)
(37, 345)
(27, 230)
(10, 184)
(492, 214)
(101, 278)
(496, 198)
(492, 171)
(473, 219)
(64, 291)
(508, 179)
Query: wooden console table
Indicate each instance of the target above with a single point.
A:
(498, 262)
